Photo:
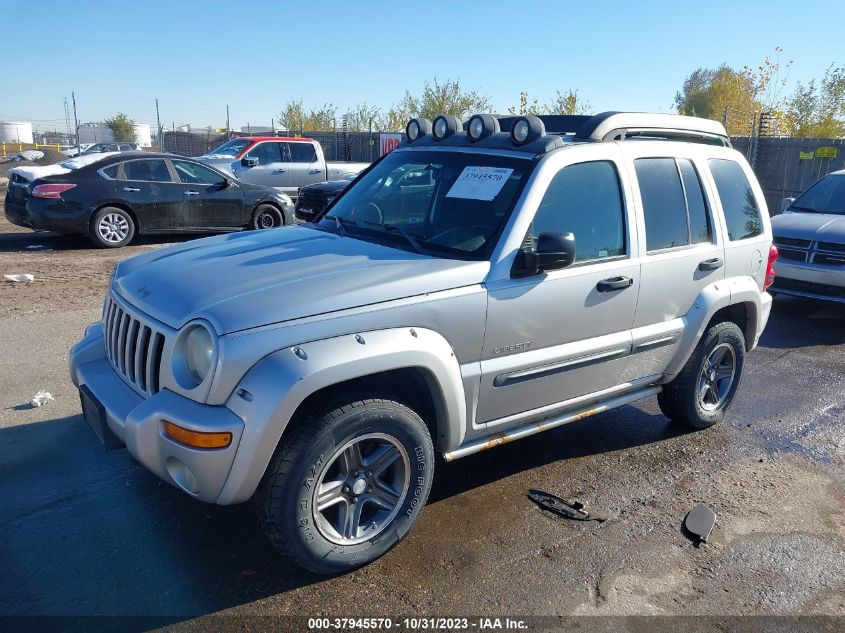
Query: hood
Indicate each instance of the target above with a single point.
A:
(825, 227)
(329, 187)
(245, 280)
(218, 161)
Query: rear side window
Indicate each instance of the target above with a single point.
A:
(154, 170)
(673, 203)
(742, 213)
(302, 153)
(663, 203)
(111, 171)
(584, 199)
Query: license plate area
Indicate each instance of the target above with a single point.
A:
(95, 416)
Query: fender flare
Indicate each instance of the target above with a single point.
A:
(269, 395)
(711, 299)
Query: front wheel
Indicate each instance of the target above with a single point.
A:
(266, 216)
(346, 485)
(704, 389)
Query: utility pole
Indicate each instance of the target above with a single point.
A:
(75, 123)
(158, 123)
(228, 129)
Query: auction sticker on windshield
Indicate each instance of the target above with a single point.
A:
(479, 183)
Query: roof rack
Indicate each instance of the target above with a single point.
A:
(554, 123)
(618, 126)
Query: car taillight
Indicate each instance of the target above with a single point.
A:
(50, 191)
(770, 271)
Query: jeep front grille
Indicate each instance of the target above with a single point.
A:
(133, 346)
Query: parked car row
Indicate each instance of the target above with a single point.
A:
(123, 194)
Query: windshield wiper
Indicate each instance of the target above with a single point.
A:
(341, 222)
(395, 228)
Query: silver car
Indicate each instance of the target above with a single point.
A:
(472, 288)
(810, 236)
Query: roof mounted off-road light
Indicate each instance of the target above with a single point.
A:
(526, 129)
(481, 126)
(417, 128)
(445, 125)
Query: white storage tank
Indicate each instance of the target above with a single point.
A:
(15, 132)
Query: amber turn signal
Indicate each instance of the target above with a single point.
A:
(197, 439)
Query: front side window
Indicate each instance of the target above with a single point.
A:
(826, 196)
(193, 173)
(231, 148)
(440, 203)
(742, 213)
(302, 152)
(266, 153)
(584, 199)
(149, 170)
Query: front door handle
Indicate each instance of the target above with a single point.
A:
(614, 283)
(278, 171)
(192, 193)
(314, 171)
(711, 264)
(131, 189)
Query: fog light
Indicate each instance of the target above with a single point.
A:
(197, 439)
(445, 125)
(526, 129)
(481, 126)
(417, 128)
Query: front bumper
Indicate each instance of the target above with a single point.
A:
(137, 422)
(811, 281)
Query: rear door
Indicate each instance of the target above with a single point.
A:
(304, 168)
(272, 169)
(208, 203)
(148, 187)
(682, 252)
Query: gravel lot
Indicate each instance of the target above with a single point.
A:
(91, 533)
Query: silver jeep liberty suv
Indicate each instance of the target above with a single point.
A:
(479, 284)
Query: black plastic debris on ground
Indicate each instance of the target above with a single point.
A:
(699, 522)
(569, 509)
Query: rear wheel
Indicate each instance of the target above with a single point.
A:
(111, 227)
(266, 216)
(346, 485)
(704, 389)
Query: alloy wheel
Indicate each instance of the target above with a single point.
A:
(113, 228)
(716, 377)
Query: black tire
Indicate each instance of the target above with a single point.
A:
(267, 216)
(123, 228)
(681, 399)
(307, 454)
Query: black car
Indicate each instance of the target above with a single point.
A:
(314, 198)
(112, 199)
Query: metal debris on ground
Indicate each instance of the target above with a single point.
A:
(569, 509)
(699, 522)
(42, 397)
(20, 277)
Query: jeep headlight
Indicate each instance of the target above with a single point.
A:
(193, 356)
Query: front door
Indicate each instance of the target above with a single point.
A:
(681, 254)
(554, 336)
(209, 203)
(272, 169)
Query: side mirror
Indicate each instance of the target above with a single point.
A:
(249, 161)
(554, 251)
(786, 203)
(226, 183)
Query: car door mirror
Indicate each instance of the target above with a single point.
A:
(554, 251)
(249, 161)
(786, 203)
(226, 183)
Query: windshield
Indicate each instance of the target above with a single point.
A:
(232, 148)
(442, 203)
(826, 196)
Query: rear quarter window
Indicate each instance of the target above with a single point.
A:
(742, 212)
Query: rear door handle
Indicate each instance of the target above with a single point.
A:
(711, 264)
(192, 193)
(131, 189)
(614, 283)
(278, 171)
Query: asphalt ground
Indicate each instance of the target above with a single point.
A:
(83, 532)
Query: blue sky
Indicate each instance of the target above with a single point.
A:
(197, 57)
